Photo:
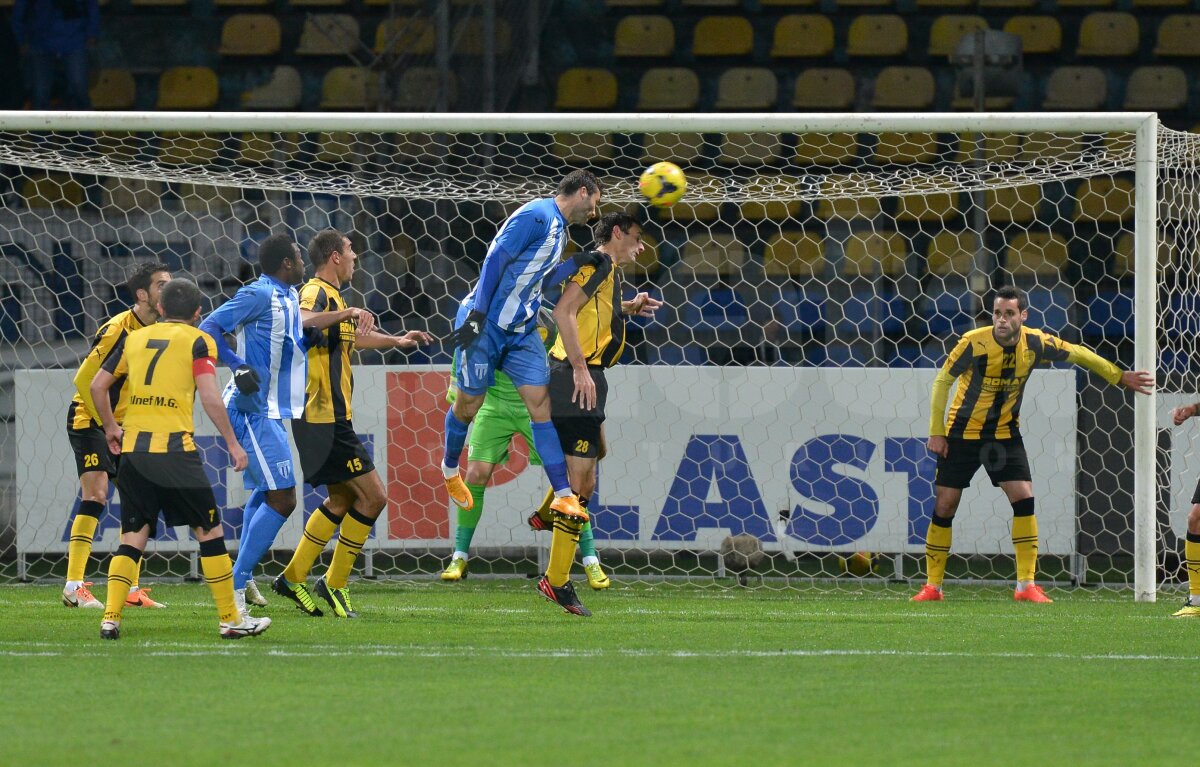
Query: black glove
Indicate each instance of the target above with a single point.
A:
(246, 379)
(587, 258)
(315, 339)
(466, 334)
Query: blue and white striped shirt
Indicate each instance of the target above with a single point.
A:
(264, 317)
(528, 245)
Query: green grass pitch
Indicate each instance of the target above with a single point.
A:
(487, 673)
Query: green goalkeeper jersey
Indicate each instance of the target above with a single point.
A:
(503, 393)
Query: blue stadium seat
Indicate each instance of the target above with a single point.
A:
(715, 309)
(11, 312)
(1184, 316)
(644, 322)
(870, 314)
(1048, 309)
(911, 355)
(800, 312)
(1109, 315)
(852, 356)
(1173, 361)
(951, 312)
(673, 354)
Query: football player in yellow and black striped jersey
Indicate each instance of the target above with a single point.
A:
(590, 317)
(992, 366)
(165, 366)
(93, 462)
(331, 454)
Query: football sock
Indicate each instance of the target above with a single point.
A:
(545, 441)
(352, 537)
(319, 528)
(252, 503)
(456, 437)
(544, 510)
(468, 519)
(937, 549)
(120, 574)
(83, 530)
(1191, 553)
(218, 574)
(256, 541)
(562, 550)
(587, 542)
(1025, 539)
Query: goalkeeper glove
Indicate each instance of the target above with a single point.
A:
(467, 333)
(246, 379)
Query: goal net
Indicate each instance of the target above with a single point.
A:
(769, 423)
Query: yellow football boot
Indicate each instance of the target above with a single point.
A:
(596, 576)
(456, 570)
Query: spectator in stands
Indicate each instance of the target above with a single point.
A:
(50, 31)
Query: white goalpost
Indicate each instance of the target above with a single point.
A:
(814, 275)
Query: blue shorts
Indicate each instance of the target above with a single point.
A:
(522, 357)
(265, 441)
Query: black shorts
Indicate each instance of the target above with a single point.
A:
(173, 484)
(91, 451)
(1196, 494)
(1003, 459)
(578, 429)
(330, 453)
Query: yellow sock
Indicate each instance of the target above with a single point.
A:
(137, 575)
(120, 576)
(1191, 551)
(544, 510)
(318, 530)
(79, 548)
(937, 549)
(1025, 541)
(352, 536)
(218, 574)
(563, 541)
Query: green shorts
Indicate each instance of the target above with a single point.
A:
(493, 429)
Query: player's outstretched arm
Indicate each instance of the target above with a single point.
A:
(566, 316)
(210, 398)
(100, 385)
(1140, 381)
(245, 306)
(318, 320)
(641, 305)
(406, 341)
(1184, 412)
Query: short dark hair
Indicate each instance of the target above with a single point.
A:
(579, 179)
(142, 276)
(274, 251)
(180, 299)
(602, 230)
(1012, 291)
(323, 245)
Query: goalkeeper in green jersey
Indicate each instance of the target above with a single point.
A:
(502, 416)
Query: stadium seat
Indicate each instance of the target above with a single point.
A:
(315, 3)
(401, 36)
(826, 149)
(157, 3)
(1168, 257)
(256, 148)
(630, 3)
(1179, 35)
(933, 206)
(1051, 147)
(909, 88)
(206, 199)
(1156, 89)
(870, 314)
(950, 312)
(1075, 89)
(189, 148)
(1039, 34)
(1173, 361)
(682, 148)
(710, 3)
(800, 312)
(389, 3)
(1108, 34)
(834, 207)
(350, 88)
(583, 148)
(470, 36)
(751, 149)
(668, 89)
(794, 254)
(787, 3)
(830, 89)
(747, 89)
(723, 36)
(863, 3)
(1036, 253)
(718, 309)
(944, 3)
(874, 253)
(250, 34)
(240, 3)
(1161, 3)
(187, 88)
(1048, 308)
(1103, 199)
(646, 265)
(771, 204)
(1086, 3)
(586, 88)
(840, 355)
(132, 194)
(417, 89)
(329, 34)
(806, 35)
(1007, 3)
(1109, 315)
(711, 255)
(997, 147)
(113, 89)
(337, 148)
(43, 189)
(877, 35)
(947, 30)
(1183, 315)
(644, 37)
(913, 355)
(1012, 204)
(906, 148)
(282, 91)
(952, 253)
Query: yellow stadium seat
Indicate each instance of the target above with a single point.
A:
(646, 264)
(1104, 199)
(405, 36)
(388, 3)
(910, 88)
(256, 148)
(711, 3)
(630, 3)
(337, 147)
(695, 211)
(787, 3)
(948, 30)
(803, 36)
(999, 147)
(935, 206)
(990, 104)
(1086, 3)
(826, 148)
(282, 91)
(583, 147)
(241, 3)
(951, 252)
(1051, 147)
(870, 253)
(774, 199)
(1075, 89)
(794, 254)
(682, 148)
(1179, 35)
(944, 3)
(586, 88)
(313, 3)
(747, 89)
(644, 36)
(470, 36)
(207, 199)
(830, 89)
(1039, 34)
(250, 34)
(832, 206)
(1035, 253)
(187, 88)
(132, 194)
(114, 89)
(750, 148)
(158, 3)
(668, 89)
(714, 255)
(1009, 204)
(1108, 34)
(329, 34)
(52, 190)
(1161, 3)
(1156, 89)
(189, 149)
(882, 34)
(349, 88)
(1169, 256)
(723, 36)
(863, 3)
(418, 87)
(906, 147)
(1007, 3)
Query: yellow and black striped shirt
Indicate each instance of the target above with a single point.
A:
(109, 338)
(330, 386)
(992, 378)
(601, 324)
(160, 364)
